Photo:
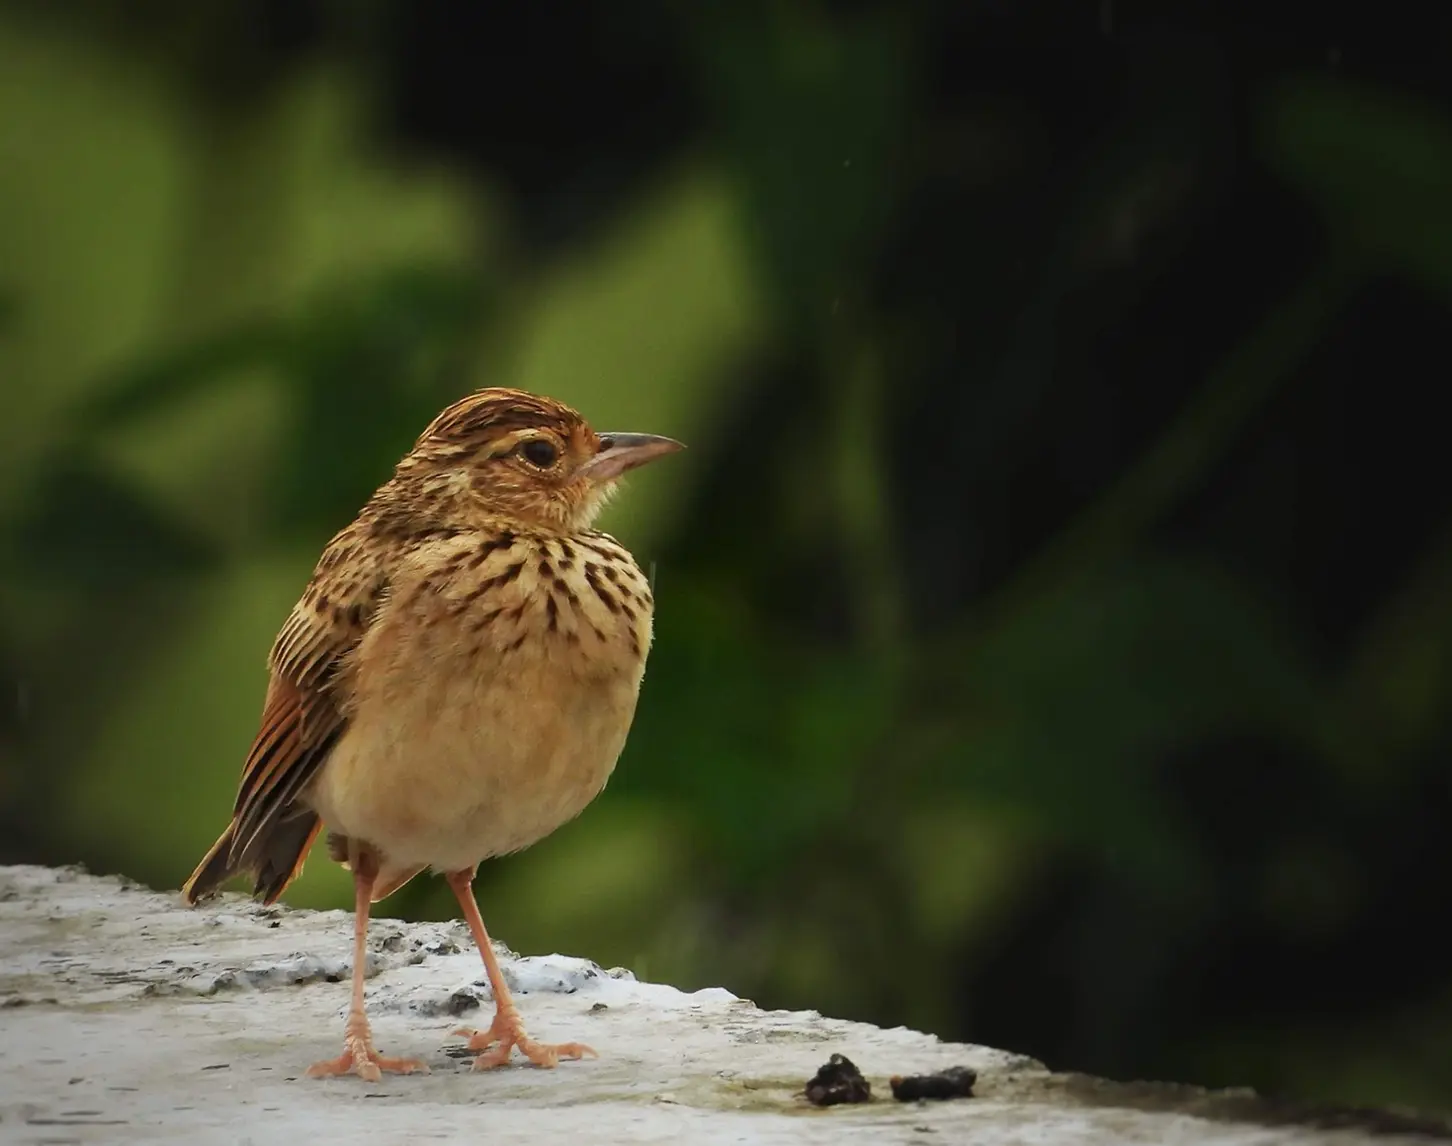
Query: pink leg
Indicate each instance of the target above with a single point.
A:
(507, 1030)
(359, 1055)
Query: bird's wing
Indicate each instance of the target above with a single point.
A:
(303, 715)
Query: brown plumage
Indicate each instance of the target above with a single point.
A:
(456, 682)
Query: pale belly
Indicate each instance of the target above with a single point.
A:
(460, 748)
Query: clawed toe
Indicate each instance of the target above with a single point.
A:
(506, 1033)
(361, 1058)
(545, 1055)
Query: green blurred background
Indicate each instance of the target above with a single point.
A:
(1055, 604)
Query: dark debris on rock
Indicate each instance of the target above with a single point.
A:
(838, 1081)
(954, 1082)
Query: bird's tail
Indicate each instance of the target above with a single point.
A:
(215, 869)
(276, 858)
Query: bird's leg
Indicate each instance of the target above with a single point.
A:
(359, 1055)
(507, 1029)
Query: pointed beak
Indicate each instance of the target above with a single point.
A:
(621, 452)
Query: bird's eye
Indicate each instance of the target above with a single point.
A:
(539, 452)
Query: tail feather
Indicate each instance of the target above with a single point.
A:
(283, 854)
(275, 857)
(215, 869)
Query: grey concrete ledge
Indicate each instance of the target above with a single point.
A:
(126, 1017)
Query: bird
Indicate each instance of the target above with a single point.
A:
(456, 682)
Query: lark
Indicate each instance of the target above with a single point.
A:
(456, 682)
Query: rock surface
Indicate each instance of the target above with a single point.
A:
(126, 1017)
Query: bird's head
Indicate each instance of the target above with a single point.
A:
(510, 454)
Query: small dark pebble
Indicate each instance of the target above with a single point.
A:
(955, 1082)
(461, 1003)
(837, 1081)
(218, 1066)
(600, 1007)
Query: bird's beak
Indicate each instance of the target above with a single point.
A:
(621, 452)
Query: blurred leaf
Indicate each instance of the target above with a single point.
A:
(602, 883)
(166, 379)
(1378, 163)
(87, 530)
(1400, 677)
(1068, 705)
(367, 365)
(638, 328)
(371, 365)
(764, 742)
(182, 717)
(1204, 429)
(811, 108)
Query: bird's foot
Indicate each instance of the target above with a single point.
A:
(506, 1033)
(361, 1057)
